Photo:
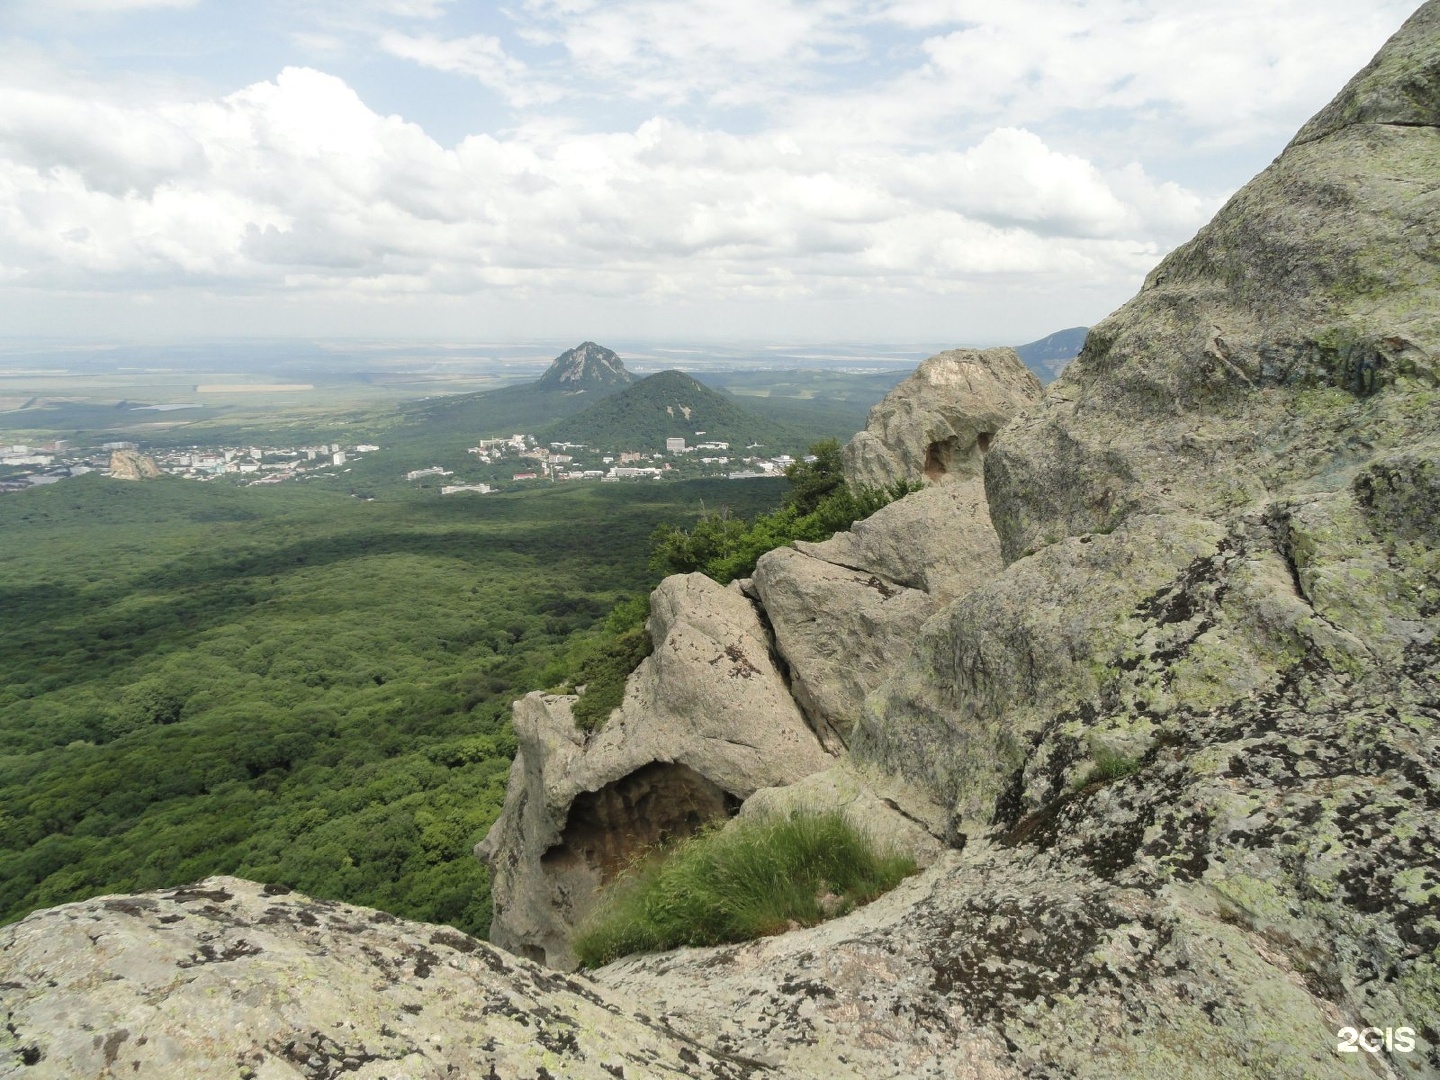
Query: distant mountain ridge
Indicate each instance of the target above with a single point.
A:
(669, 404)
(1049, 356)
(588, 366)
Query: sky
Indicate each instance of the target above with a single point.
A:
(973, 171)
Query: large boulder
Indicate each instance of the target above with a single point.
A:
(230, 979)
(706, 721)
(938, 423)
(938, 540)
(840, 631)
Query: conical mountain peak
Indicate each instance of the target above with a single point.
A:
(588, 366)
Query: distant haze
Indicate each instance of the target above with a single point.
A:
(846, 170)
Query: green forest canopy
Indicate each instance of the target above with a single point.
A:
(291, 684)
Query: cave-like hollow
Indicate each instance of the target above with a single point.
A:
(607, 830)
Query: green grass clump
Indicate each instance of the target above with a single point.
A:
(749, 881)
(1109, 766)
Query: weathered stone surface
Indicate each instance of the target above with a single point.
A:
(706, 721)
(1292, 339)
(840, 631)
(1210, 669)
(993, 669)
(1397, 87)
(938, 423)
(938, 540)
(1000, 963)
(228, 979)
(130, 465)
(846, 611)
(898, 817)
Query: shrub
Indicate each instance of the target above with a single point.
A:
(603, 675)
(748, 881)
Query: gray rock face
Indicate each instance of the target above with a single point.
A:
(131, 465)
(230, 979)
(996, 967)
(938, 540)
(1209, 670)
(840, 631)
(706, 721)
(938, 423)
(1276, 352)
(996, 668)
(846, 611)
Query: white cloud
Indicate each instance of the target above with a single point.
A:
(1223, 72)
(740, 53)
(1165, 76)
(887, 149)
(296, 184)
(480, 56)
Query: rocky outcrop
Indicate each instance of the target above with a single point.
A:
(1002, 964)
(227, 978)
(131, 465)
(586, 367)
(707, 720)
(1278, 351)
(839, 630)
(938, 540)
(738, 697)
(1209, 671)
(845, 612)
(938, 423)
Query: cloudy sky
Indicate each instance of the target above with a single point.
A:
(882, 170)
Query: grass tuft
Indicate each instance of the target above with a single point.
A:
(752, 880)
(1108, 766)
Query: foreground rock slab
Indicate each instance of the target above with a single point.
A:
(227, 978)
(997, 964)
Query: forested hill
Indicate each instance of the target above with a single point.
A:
(668, 405)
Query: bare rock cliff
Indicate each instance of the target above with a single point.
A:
(130, 465)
